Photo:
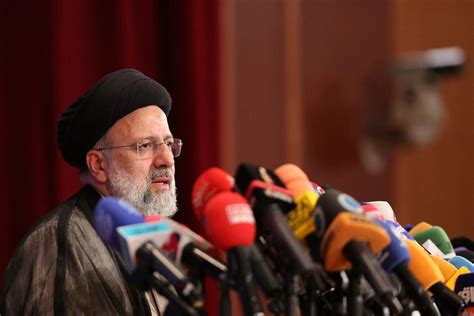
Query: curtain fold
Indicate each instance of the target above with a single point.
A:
(52, 51)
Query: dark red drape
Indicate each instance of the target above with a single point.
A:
(52, 51)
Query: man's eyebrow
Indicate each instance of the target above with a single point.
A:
(154, 138)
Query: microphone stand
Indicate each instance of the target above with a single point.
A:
(225, 305)
(239, 269)
(355, 302)
(144, 280)
(333, 301)
(291, 306)
(309, 300)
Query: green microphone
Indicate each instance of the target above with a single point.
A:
(434, 240)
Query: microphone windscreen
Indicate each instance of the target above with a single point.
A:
(372, 211)
(439, 237)
(396, 253)
(384, 209)
(423, 266)
(295, 180)
(464, 288)
(469, 255)
(418, 228)
(110, 213)
(208, 184)
(459, 262)
(459, 249)
(447, 269)
(463, 242)
(290, 172)
(229, 221)
(348, 227)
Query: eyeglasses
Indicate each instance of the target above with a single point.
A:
(149, 149)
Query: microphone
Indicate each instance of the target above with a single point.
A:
(111, 213)
(149, 258)
(469, 255)
(141, 254)
(395, 258)
(459, 262)
(211, 182)
(200, 261)
(191, 250)
(230, 225)
(208, 184)
(449, 271)
(384, 210)
(350, 234)
(269, 202)
(439, 238)
(431, 277)
(457, 250)
(464, 287)
(349, 241)
(371, 211)
(418, 228)
(463, 242)
(300, 219)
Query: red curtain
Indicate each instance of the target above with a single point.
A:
(52, 51)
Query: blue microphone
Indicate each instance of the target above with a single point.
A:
(399, 228)
(122, 227)
(395, 258)
(111, 213)
(459, 262)
(396, 253)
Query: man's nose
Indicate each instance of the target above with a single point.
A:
(164, 157)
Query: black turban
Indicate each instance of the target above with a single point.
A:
(117, 94)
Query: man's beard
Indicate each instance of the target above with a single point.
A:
(140, 194)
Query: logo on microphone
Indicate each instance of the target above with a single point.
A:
(467, 294)
(349, 203)
(239, 213)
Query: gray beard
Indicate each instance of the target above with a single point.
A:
(140, 194)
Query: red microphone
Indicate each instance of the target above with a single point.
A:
(229, 221)
(230, 225)
(208, 184)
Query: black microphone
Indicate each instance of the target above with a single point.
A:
(350, 237)
(269, 202)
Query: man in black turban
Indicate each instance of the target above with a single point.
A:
(117, 134)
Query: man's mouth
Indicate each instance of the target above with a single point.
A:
(161, 183)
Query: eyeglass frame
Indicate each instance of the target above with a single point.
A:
(148, 141)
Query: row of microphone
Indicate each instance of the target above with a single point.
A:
(309, 250)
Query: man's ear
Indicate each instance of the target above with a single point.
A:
(97, 164)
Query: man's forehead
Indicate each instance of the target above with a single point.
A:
(146, 122)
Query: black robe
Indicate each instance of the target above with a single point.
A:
(63, 267)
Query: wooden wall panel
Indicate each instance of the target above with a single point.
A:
(298, 85)
(345, 50)
(434, 183)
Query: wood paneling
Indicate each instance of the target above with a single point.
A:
(434, 183)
